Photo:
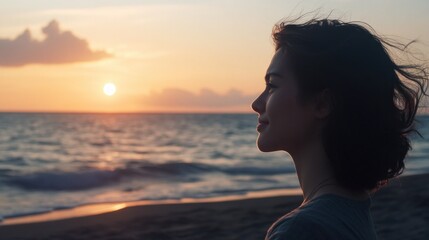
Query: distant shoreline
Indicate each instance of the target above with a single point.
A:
(421, 112)
(137, 112)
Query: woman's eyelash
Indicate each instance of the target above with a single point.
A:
(271, 85)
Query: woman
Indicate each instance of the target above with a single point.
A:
(335, 102)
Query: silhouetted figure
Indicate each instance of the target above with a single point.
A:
(336, 102)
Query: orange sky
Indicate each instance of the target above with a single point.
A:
(189, 56)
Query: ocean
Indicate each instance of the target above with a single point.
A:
(52, 161)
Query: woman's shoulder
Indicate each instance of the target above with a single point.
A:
(322, 218)
(296, 225)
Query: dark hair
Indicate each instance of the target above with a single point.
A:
(373, 111)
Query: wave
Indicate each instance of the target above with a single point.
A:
(46, 142)
(93, 178)
(18, 161)
(257, 171)
(101, 143)
(64, 180)
(217, 154)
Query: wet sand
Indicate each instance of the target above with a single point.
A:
(400, 211)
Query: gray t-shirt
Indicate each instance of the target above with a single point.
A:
(328, 216)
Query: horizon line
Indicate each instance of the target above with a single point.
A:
(129, 112)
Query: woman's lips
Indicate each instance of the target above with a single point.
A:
(261, 126)
(262, 121)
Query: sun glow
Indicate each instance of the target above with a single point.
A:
(109, 89)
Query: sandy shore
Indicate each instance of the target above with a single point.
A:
(400, 211)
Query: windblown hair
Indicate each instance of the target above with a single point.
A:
(373, 111)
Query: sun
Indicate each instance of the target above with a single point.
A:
(109, 89)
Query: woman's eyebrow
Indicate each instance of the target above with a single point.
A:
(267, 76)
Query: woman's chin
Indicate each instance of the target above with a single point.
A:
(264, 145)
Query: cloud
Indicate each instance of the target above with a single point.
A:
(206, 98)
(57, 47)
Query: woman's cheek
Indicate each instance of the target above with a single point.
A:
(288, 121)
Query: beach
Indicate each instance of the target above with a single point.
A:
(400, 211)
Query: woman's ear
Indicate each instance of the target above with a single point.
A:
(323, 103)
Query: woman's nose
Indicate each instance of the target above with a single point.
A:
(258, 104)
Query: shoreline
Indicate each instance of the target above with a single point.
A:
(91, 209)
(398, 210)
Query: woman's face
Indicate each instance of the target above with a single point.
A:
(288, 123)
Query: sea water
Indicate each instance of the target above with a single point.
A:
(54, 161)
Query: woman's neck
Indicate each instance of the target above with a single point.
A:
(316, 176)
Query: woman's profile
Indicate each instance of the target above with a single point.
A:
(342, 107)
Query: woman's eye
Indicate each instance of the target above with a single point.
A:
(270, 86)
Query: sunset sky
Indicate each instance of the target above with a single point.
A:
(199, 55)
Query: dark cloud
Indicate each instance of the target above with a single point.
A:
(174, 97)
(57, 47)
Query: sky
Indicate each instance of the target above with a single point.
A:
(164, 55)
